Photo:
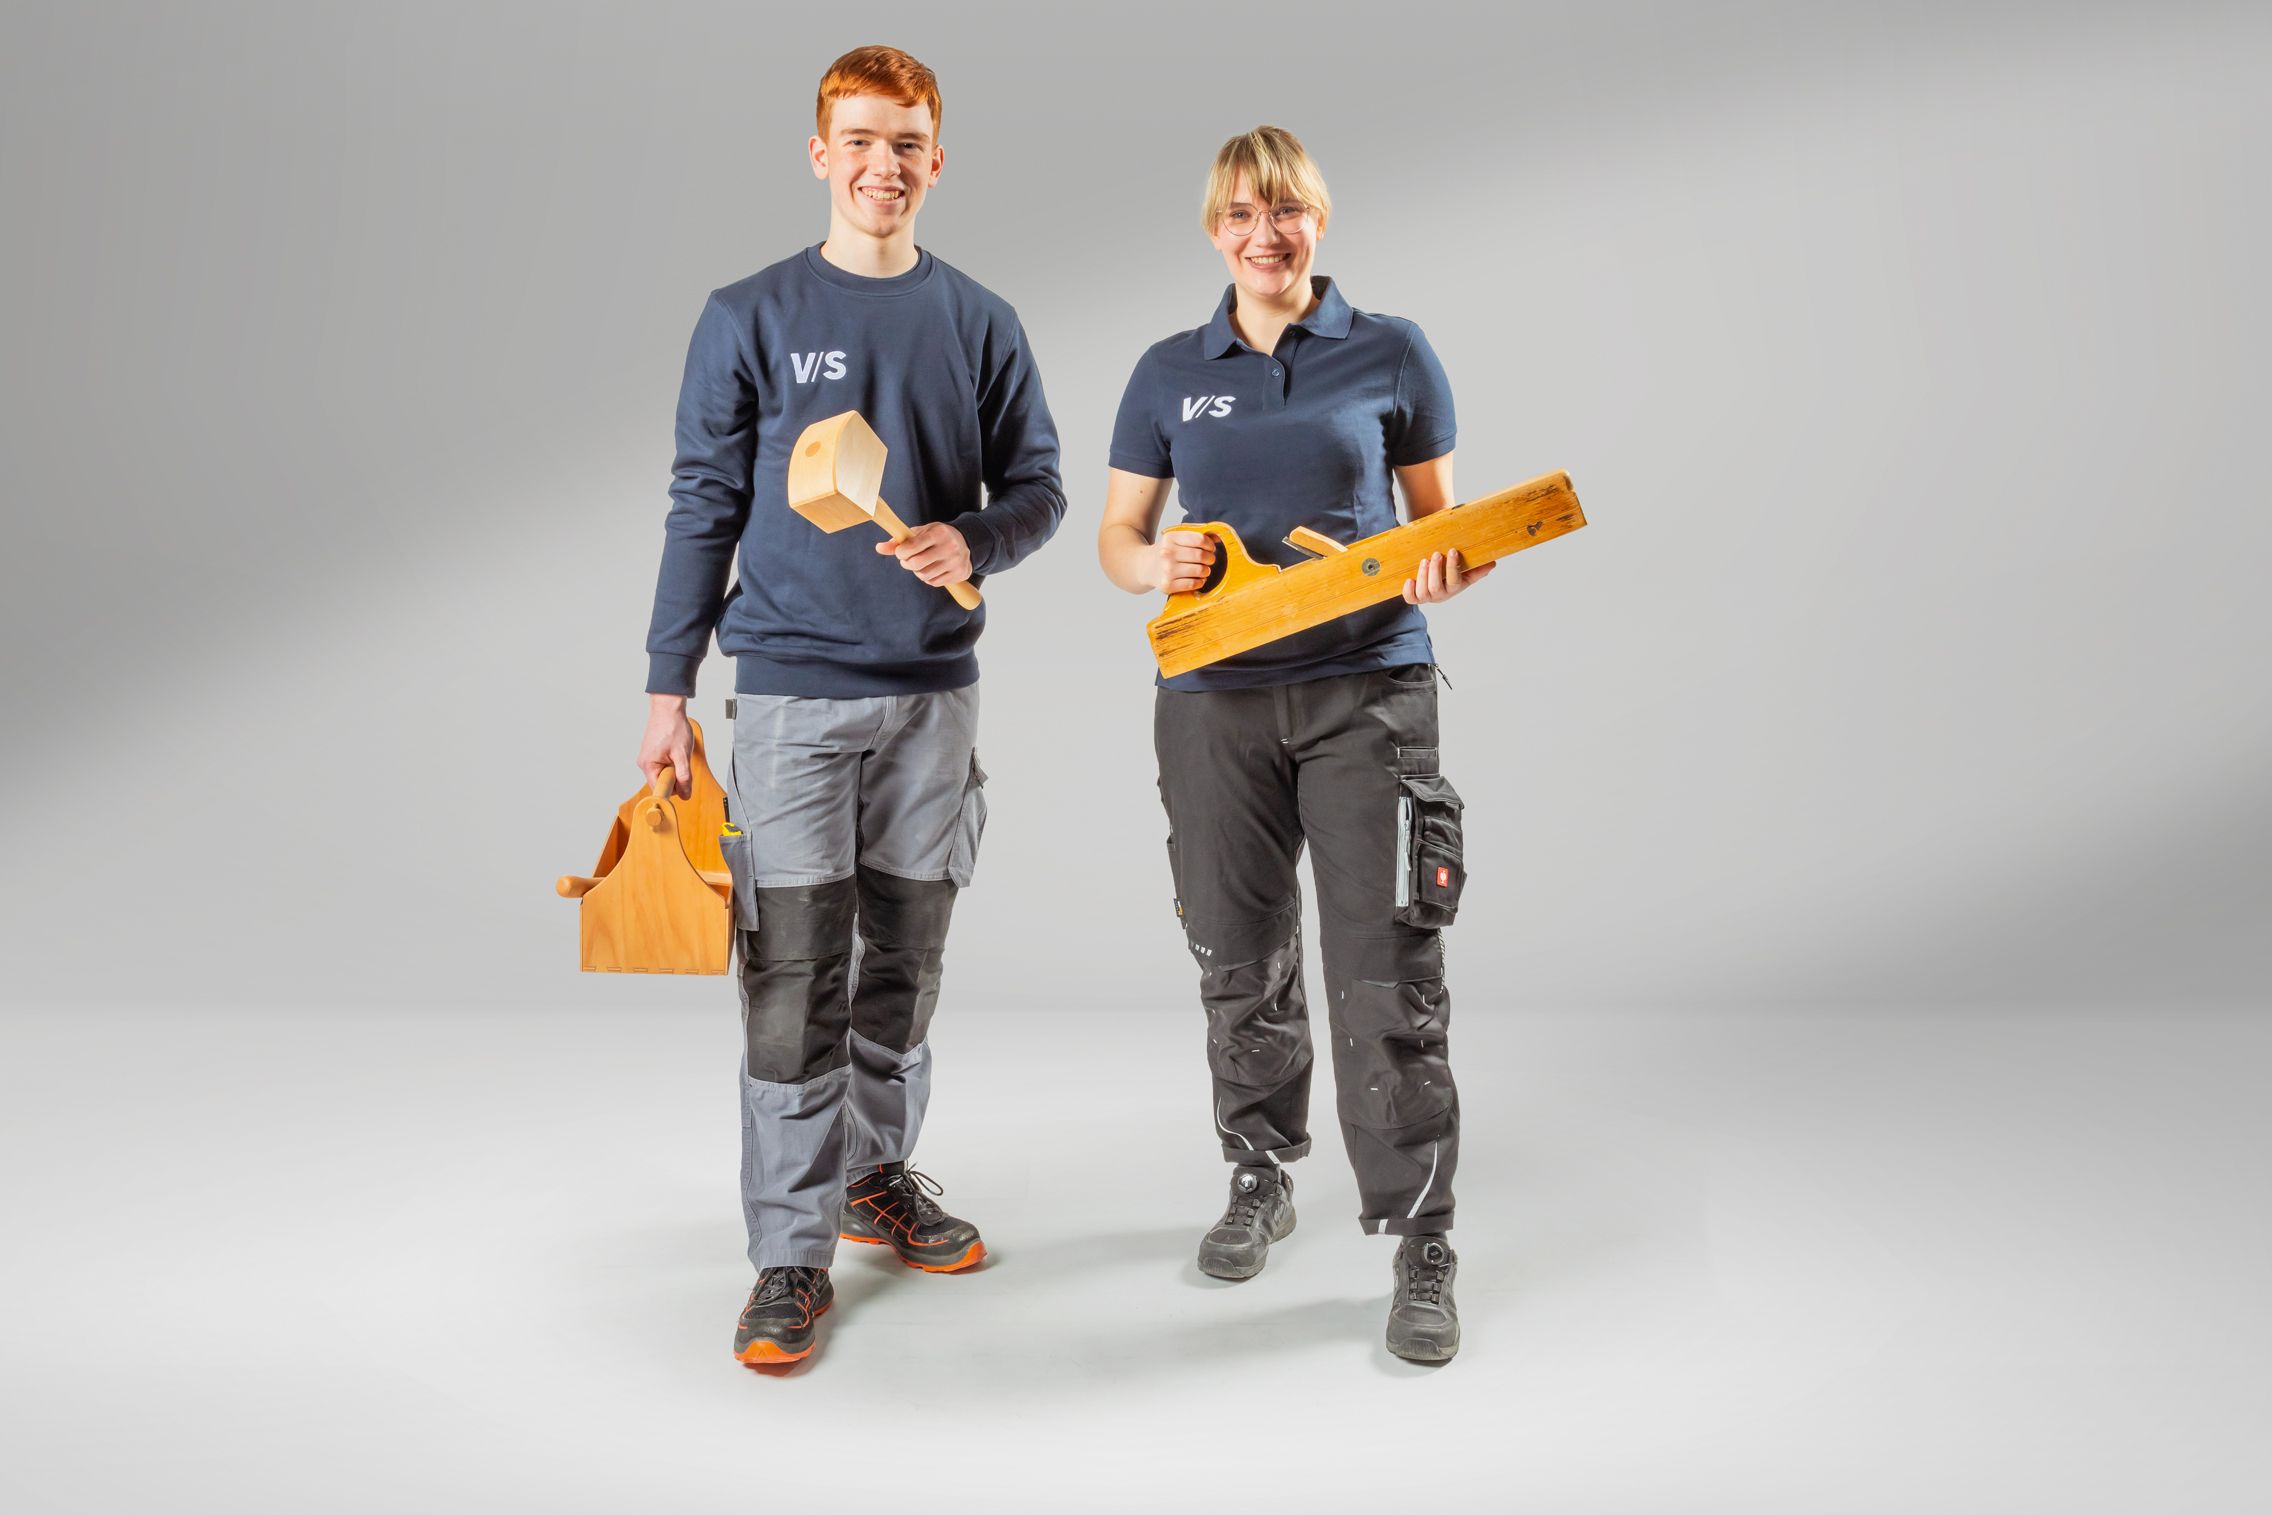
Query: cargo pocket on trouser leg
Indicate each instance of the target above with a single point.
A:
(970, 826)
(1431, 854)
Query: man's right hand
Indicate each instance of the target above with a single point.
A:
(669, 743)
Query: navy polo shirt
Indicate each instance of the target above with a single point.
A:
(1308, 435)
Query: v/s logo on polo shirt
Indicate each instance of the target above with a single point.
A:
(1206, 405)
(808, 365)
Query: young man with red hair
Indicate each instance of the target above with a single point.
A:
(855, 782)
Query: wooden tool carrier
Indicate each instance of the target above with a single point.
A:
(660, 899)
(1246, 604)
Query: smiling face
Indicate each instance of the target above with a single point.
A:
(1268, 261)
(879, 159)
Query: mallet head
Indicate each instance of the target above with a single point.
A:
(836, 471)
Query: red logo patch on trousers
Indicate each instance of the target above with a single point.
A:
(1443, 878)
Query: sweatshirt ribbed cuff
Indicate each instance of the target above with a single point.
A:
(670, 673)
(984, 545)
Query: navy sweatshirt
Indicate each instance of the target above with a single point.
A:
(939, 367)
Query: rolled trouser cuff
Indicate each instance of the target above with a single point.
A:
(792, 1257)
(1271, 1157)
(1403, 1225)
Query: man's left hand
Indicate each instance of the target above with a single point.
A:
(934, 552)
(1440, 576)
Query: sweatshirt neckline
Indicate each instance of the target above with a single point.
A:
(860, 284)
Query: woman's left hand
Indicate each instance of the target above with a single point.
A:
(1440, 576)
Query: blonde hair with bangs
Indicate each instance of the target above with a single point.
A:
(1276, 164)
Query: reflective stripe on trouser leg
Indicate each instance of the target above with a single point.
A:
(898, 960)
(796, 1015)
(1228, 788)
(1399, 1108)
(1258, 1051)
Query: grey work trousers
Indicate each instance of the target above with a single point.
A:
(858, 821)
(1348, 766)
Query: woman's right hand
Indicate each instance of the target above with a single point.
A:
(1180, 561)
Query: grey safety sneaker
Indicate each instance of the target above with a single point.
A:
(1261, 1211)
(1423, 1322)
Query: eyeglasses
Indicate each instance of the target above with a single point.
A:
(1241, 219)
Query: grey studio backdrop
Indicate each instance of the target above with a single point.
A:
(1901, 356)
(1908, 686)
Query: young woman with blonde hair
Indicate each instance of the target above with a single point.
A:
(1290, 408)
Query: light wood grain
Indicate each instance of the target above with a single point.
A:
(708, 800)
(1252, 604)
(653, 913)
(836, 471)
(658, 900)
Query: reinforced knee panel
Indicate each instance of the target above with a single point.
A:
(1258, 1025)
(796, 979)
(903, 939)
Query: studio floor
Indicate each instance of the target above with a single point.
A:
(363, 1260)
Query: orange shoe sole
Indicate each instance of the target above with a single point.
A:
(766, 1354)
(969, 1259)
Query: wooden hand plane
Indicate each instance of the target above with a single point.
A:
(1247, 604)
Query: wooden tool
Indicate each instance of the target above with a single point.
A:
(1247, 604)
(834, 473)
(660, 900)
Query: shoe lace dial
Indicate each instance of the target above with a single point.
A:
(1426, 1270)
(1246, 1203)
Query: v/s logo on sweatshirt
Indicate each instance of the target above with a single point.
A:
(809, 365)
(1206, 405)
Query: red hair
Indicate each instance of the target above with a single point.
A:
(884, 71)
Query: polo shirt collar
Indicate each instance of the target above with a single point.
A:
(1330, 319)
(1217, 337)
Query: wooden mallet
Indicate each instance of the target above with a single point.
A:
(833, 477)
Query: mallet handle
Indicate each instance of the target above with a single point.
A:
(965, 593)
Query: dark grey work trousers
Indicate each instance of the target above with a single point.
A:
(1349, 767)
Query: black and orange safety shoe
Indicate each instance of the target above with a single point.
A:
(777, 1323)
(890, 1206)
